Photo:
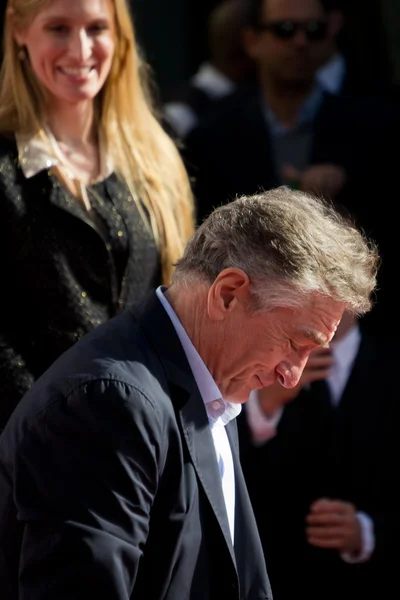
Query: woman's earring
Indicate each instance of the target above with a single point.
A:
(22, 55)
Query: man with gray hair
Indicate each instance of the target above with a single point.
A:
(120, 471)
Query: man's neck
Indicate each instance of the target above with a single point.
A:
(285, 101)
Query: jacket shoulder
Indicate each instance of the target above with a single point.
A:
(230, 111)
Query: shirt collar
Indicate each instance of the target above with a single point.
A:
(331, 75)
(212, 81)
(346, 348)
(305, 115)
(217, 409)
(41, 151)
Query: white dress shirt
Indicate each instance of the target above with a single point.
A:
(219, 412)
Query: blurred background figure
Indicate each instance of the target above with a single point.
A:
(341, 72)
(95, 203)
(227, 67)
(288, 129)
(320, 461)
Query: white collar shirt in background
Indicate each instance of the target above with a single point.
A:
(305, 115)
(344, 353)
(331, 75)
(213, 82)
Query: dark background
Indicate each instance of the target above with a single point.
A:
(172, 34)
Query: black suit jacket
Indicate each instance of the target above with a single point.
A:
(349, 453)
(231, 154)
(110, 486)
(62, 274)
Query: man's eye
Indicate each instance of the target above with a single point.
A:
(293, 346)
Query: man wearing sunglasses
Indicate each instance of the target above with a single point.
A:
(315, 31)
(287, 129)
(289, 40)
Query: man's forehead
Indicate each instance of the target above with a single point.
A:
(293, 9)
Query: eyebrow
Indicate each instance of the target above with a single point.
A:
(62, 17)
(316, 337)
(67, 18)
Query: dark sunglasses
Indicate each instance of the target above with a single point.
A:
(285, 30)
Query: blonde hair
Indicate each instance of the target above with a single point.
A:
(143, 154)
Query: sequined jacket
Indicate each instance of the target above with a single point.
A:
(63, 272)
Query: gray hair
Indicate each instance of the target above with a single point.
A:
(290, 244)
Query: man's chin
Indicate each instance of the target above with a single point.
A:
(239, 397)
(239, 391)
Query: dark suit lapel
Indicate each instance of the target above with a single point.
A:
(59, 196)
(334, 118)
(200, 444)
(189, 405)
(257, 138)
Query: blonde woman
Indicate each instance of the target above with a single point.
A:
(95, 204)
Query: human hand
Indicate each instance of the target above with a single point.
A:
(324, 179)
(273, 397)
(317, 367)
(334, 524)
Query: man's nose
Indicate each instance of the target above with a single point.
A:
(300, 38)
(80, 46)
(289, 372)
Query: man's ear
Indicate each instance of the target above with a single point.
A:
(229, 290)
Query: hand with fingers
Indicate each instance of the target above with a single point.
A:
(334, 524)
(318, 366)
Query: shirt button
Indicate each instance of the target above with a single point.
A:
(216, 404)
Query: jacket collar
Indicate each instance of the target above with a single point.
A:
(186, 398)
(40, 152)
